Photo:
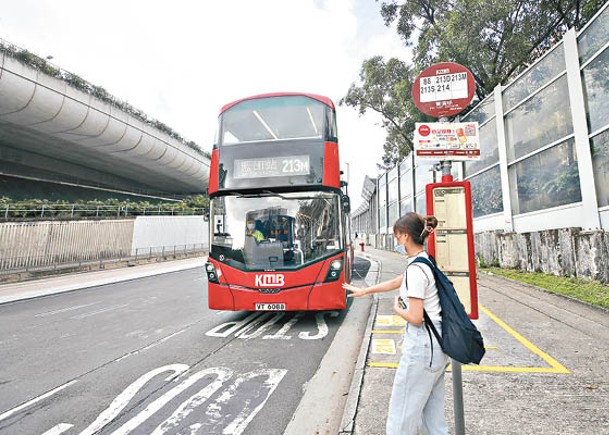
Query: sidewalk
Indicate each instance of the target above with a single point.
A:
(544, 371)
(63, 283)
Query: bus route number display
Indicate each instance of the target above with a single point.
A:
(443, 87)
(272, 167)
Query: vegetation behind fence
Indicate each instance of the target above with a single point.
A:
(41, 209)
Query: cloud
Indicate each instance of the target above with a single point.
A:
(181, 61)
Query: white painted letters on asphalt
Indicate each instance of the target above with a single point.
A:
(246, 328)
(247, 393)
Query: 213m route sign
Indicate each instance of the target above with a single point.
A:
(443, 89)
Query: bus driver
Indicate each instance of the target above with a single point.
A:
(252, 231)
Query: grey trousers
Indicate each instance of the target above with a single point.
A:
(417, 398)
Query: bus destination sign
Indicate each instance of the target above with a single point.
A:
(271, 167)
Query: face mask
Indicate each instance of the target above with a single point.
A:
(399, 249)
(251, 226)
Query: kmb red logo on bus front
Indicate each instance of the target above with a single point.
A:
(270, 280)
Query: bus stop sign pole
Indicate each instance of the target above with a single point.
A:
(457, 376)
(443, 90)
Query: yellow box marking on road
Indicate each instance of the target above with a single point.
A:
(555, 366)
(398, 321)
(474, 368)
(387, 331)
(384, 346)
(385, 320)
(382, 320)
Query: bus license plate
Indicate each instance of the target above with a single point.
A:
(270, 307)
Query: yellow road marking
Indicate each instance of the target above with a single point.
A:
(555, 366)
(387, 331)
(474, 368)
(383, 345)
(389, 320)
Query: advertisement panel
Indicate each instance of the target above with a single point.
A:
(447, 141)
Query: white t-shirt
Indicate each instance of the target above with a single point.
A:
(420, 283)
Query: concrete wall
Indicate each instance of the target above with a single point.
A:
(566, 251)
(25, 245)
(154, 232)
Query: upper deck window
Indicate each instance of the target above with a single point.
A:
(274, 118)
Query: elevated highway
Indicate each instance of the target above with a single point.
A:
(52, 131)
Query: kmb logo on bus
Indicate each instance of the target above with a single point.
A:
(270, 280)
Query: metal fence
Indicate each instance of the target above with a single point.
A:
(42, 263)
(13, 212)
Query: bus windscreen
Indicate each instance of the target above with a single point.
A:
(275, 231)
(272, 119)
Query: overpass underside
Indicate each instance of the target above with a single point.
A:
(51, 132)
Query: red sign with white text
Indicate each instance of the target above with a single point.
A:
(443, 89)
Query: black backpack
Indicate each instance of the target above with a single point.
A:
(460, 338)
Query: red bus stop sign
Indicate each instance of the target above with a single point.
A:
(443, 89)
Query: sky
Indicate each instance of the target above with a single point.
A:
(180, 61)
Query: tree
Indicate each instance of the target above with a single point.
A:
(386, 89)
(494, 39)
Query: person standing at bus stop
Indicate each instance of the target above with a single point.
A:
(417, 397)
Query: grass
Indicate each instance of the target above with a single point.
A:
(592, 292)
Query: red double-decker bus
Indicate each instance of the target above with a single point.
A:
(279, 219)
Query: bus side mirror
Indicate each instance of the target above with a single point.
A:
(346, 204)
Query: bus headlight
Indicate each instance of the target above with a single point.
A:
(334, 270)
(212, 276)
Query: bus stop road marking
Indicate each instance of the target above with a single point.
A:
(389, 320)
(387, 331)
(474, 368)
(383, 345)
(554, 366)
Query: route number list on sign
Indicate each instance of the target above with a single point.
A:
(443, 87)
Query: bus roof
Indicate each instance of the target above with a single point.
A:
(327, 101)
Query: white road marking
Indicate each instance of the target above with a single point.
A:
(59, 429)
(281, 334)
(234, 326)
(10, 412)
(123, 399)
(246, 415)
(75, 307)
(150, 346)
(263, 381)
(244, 332)
(194, 401)
(321, 326)
(103, 310)
(162, 401)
